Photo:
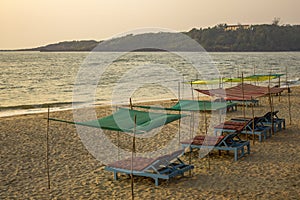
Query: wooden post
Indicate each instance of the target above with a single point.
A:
(206, 130)
(118, 145)
(47, 147)
(271, 110)
(244, 106)
(130, 103)
(289, 91)
(290, 115)
(252, 107)
(271, 105)
(178, 90)
(243, 94)
(132, 154)
(279, 87)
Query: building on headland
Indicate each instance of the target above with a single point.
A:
(236, 27)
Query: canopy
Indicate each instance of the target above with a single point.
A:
(262, 77)
(258, 77)
(123, 120)
(205, 82)
(191, 105)
(241, 92)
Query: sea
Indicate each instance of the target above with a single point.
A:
(30, 82)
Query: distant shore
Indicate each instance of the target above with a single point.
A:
(220, 38)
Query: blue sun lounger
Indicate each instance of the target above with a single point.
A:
(255, 127)
(252, 102)
(230, 142)
(163, 167)
(230, 127)
(278, 123)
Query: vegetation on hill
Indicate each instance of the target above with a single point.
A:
(84, 45)
(253, 38)
(265, 37)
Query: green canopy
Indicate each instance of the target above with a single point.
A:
(123, 120)
(258, 77)
(191, 105)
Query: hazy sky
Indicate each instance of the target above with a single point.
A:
(32, 23)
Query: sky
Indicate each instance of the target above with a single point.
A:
(33, 23)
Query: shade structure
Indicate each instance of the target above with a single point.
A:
(262, 77)
(205, 82)
(242, 92)
(192, 105)
(123, 120)
(258, 77)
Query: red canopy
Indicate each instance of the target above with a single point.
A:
(242, 92)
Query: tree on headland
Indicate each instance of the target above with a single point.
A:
(276, 21)
(264, 37)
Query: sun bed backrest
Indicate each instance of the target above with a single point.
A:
(268, 116)
(138, 163)
(228, 140)
(164, 160)
(204, 140)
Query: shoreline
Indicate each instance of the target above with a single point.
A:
(11, 111)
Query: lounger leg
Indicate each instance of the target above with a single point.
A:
(115, 175)
(259, 138)
(156, 181)
(248, 148)
(279, 126)
(236, 154)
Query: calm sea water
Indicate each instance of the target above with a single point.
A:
(31, 80)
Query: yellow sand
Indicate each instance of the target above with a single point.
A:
(272, 171)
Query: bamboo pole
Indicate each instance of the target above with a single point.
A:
(244, 106)
(279, 87)
(179, 121)
(289, 91)
(130, 103)
(252, 108)
(179, 129)
(290, 115)
(118, 145)
(271, 109)
(206, 130)
(271, 105)
(132, 155)
(178, 90)
(243, 95)
(47, 147)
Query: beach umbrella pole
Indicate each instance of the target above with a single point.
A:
(290, 115)
(205, 124)
(271, 109)
(252, 108)
(132, 154)
(244, 105)
(47, 148)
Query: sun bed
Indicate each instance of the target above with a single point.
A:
(230, 142)
(230, 127)
(251, 102)
(259, 128)
(278, 123)
(163, 167)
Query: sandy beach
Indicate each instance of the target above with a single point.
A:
(271, 171)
